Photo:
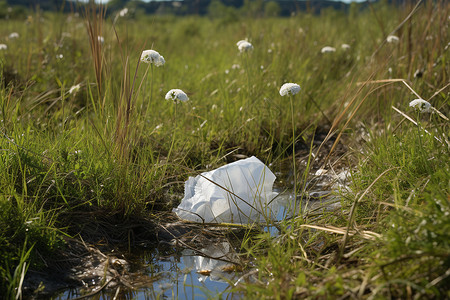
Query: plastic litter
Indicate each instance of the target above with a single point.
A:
(240, 192)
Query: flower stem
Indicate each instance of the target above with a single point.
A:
(173, 133)
(151, 90)
(293, 153)
(247, 70)
(151, 86)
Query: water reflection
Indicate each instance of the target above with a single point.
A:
(172, 274)
(216, 262)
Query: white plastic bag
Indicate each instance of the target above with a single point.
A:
(240, 192)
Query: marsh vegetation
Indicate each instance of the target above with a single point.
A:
(93, 156)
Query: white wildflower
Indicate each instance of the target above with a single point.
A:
(421, 105)
(101, 39)
(152, 57)
(123, 12)
(244, 46)
(75, 88)
(392, 39)
(3, 47)
(241, 41)
(345, 47)
(177, 95)
(14, 35)
(289, 89)
(328, 49)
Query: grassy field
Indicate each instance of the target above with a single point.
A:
(91, 149)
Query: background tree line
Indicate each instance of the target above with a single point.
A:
(229, 9)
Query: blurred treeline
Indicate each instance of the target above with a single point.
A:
(214, 8)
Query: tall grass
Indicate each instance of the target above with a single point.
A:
(107, 153)
(389, 238)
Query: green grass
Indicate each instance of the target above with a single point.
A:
(113, 148)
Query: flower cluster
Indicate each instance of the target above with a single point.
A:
(420, 105)
(328, 49)
(123, 12)
(3, 47)
(177, 95)
(244, 46)
(393, 39)
(289, 89)
(152, 57)
(75, 88)
(14, 35)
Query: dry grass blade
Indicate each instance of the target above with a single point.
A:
(438, 279)
(390, 81)
(22, 277)
(368, 235)
(439, 91)
(94, 24)
(439, 113)
(406, 117)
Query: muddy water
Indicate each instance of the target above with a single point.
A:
(173, 271)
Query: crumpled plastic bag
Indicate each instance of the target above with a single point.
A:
(240, 192)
